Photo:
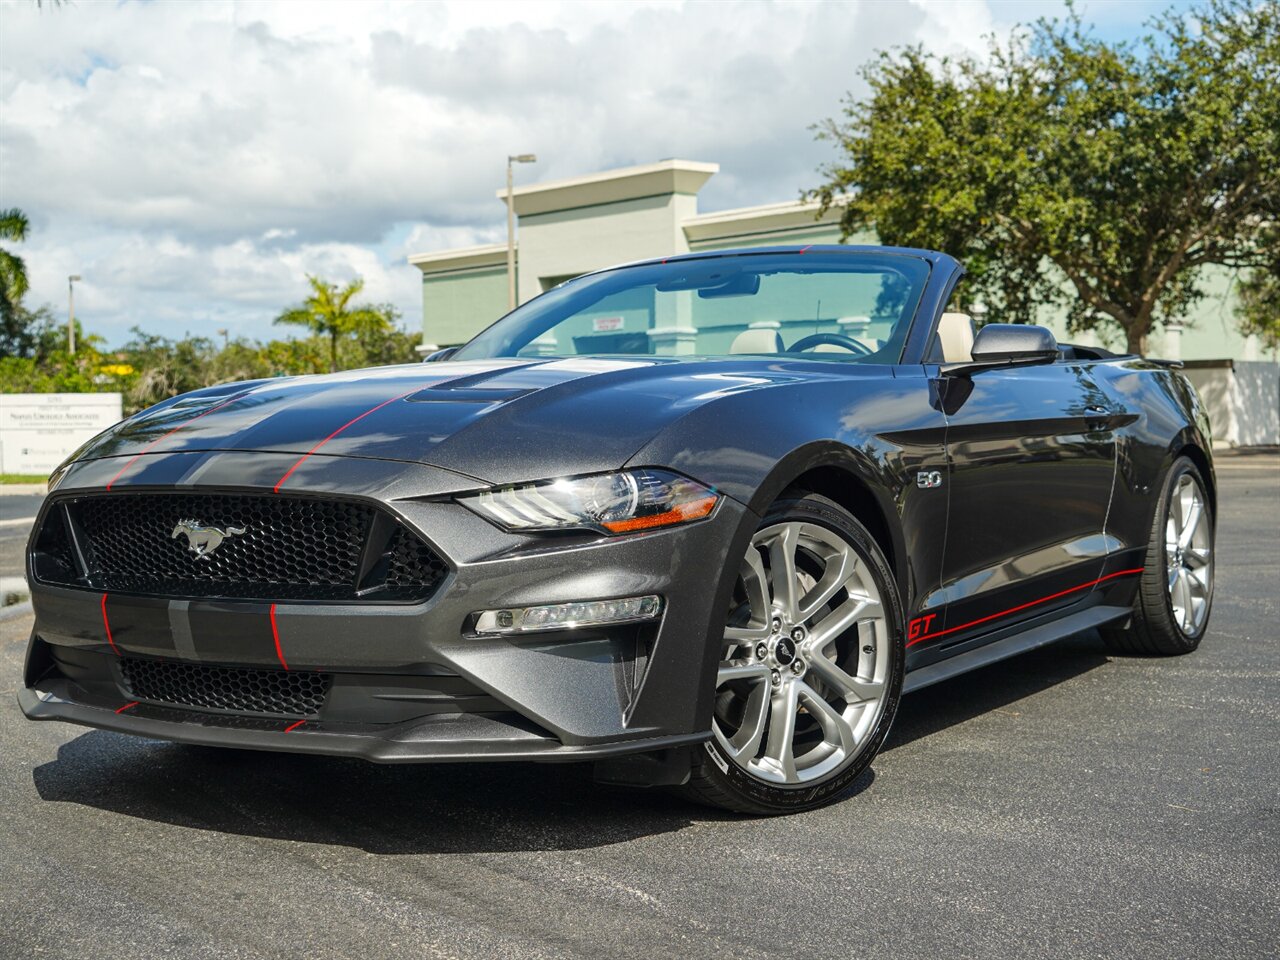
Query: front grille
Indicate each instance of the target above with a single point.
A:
(282, 693)
(257, 547)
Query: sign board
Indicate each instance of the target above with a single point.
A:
(40, 430)
(607, 324)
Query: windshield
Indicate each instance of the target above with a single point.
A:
(837, 305)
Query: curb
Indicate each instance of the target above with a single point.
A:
(21, 489)
(15, 610)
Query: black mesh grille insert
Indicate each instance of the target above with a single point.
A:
(239, 547)
(241, 690)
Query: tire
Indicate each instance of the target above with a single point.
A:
(810, 677)
(1175, 594)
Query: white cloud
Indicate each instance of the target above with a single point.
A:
(194, 161)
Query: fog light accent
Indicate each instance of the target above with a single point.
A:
(568, 616)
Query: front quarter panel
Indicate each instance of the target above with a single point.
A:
(879, 426)
(1168, 419)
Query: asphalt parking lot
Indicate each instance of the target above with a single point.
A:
(1064, 804)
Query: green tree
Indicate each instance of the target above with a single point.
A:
(13, 271)
(31, 333)
(329, 312)
(1065, 169)
(1260, 295)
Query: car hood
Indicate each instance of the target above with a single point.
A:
(494, 420)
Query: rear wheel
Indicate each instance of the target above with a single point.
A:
(1171, 612)
(811, 664)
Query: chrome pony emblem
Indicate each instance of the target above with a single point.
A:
(202, 540)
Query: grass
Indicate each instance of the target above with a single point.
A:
(22, 478)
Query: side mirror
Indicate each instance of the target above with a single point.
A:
(1006, 345)
(439, 355)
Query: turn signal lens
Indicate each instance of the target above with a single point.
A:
(568, 616)
(615, 503)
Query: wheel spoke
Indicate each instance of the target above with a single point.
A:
(1190, 525)
(1197, 558)
(779, 750)
(745, 744)
(741, 671)
(756, 579)
(857, 607)
(746, 636)
(840, 568)
(836, 730)
(852, 689)
(782, 570)
(1184, 600)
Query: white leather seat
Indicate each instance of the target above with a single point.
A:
(955, 336)
(757, 341)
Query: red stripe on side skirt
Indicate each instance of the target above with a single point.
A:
(1024, 606)
(294, 726)
(170, 434)
(275, 635)
(128, 706)
(349, 423)
(106, 624)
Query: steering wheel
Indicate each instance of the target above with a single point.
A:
(835, 339)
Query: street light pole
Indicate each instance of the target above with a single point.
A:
(511, 227)
(71, 313)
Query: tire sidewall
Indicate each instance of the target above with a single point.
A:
(771, 798)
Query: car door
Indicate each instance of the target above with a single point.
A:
(1031, 459)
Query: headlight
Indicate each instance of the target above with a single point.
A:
(611, 502)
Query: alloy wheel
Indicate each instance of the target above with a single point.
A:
(803, 676)
(1189, 555)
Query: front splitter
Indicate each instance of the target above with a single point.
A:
(442, 738)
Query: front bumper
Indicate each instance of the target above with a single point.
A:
(409, 683)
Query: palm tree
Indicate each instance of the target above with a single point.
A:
(13, 272)
(327, 312)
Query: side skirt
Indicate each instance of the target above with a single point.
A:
(998, 650)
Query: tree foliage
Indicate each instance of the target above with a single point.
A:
(13, 271)
(328, 312)
(150, 368)
(1260, 295)
(1065, 169)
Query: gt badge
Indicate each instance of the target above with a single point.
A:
(202, 540)
(929, 479)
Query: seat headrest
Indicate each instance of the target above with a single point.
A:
(757, 341)
(955, 337)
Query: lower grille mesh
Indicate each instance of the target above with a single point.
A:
(238, 689)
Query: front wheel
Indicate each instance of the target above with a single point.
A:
(811, 664)
(1171, 611)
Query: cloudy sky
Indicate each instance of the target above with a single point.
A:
(193, 161)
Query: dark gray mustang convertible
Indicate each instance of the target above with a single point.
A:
(701, 521)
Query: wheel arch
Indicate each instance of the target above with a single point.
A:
(1197, 455)
(842, 475)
